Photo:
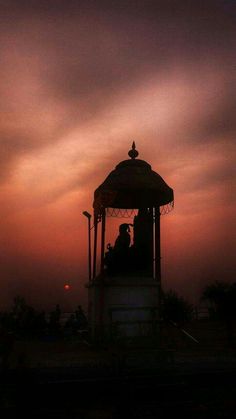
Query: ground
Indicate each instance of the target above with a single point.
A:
(71, 379)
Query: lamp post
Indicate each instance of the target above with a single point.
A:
(88, 216)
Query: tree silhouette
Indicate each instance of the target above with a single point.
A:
(222, 298)
(176, 308)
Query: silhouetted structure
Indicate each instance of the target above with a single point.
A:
(125, 294)
(143, 239)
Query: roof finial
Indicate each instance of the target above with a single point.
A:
(133, 153)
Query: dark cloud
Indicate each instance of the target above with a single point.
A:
(220, 175)
(170, 7)
(222, 122)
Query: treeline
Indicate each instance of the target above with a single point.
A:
(24, 321)
(219, 297)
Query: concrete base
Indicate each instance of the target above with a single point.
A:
(123, 307)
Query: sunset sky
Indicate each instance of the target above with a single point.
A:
(81, 80)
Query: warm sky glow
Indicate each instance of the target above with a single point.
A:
(78, 85)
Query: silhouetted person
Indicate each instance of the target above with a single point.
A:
(71, 326)
(117, 257)
(123, 240)
(81, 319)
(109, 259)
(54, 321)
(121, 248)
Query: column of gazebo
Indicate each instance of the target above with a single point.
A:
(157, 265)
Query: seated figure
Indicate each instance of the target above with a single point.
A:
(123, 258)
(117, 257)
(122, 242)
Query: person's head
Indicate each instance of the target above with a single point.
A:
(124, 228)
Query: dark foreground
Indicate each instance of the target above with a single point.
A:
(69, 379)
(193, 389)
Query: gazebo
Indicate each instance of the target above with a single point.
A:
(125, 291)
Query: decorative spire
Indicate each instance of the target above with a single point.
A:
(133, 153)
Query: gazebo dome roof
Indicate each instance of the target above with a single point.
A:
(132, 184)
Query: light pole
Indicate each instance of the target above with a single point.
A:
(88, 216)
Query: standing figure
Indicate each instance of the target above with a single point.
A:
(143, 238)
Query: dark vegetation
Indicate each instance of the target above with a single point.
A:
(220, 300)
(24, 323)
(187, 385)
(221, 297)
(176, 309)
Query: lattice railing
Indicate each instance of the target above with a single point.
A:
(128, 213)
